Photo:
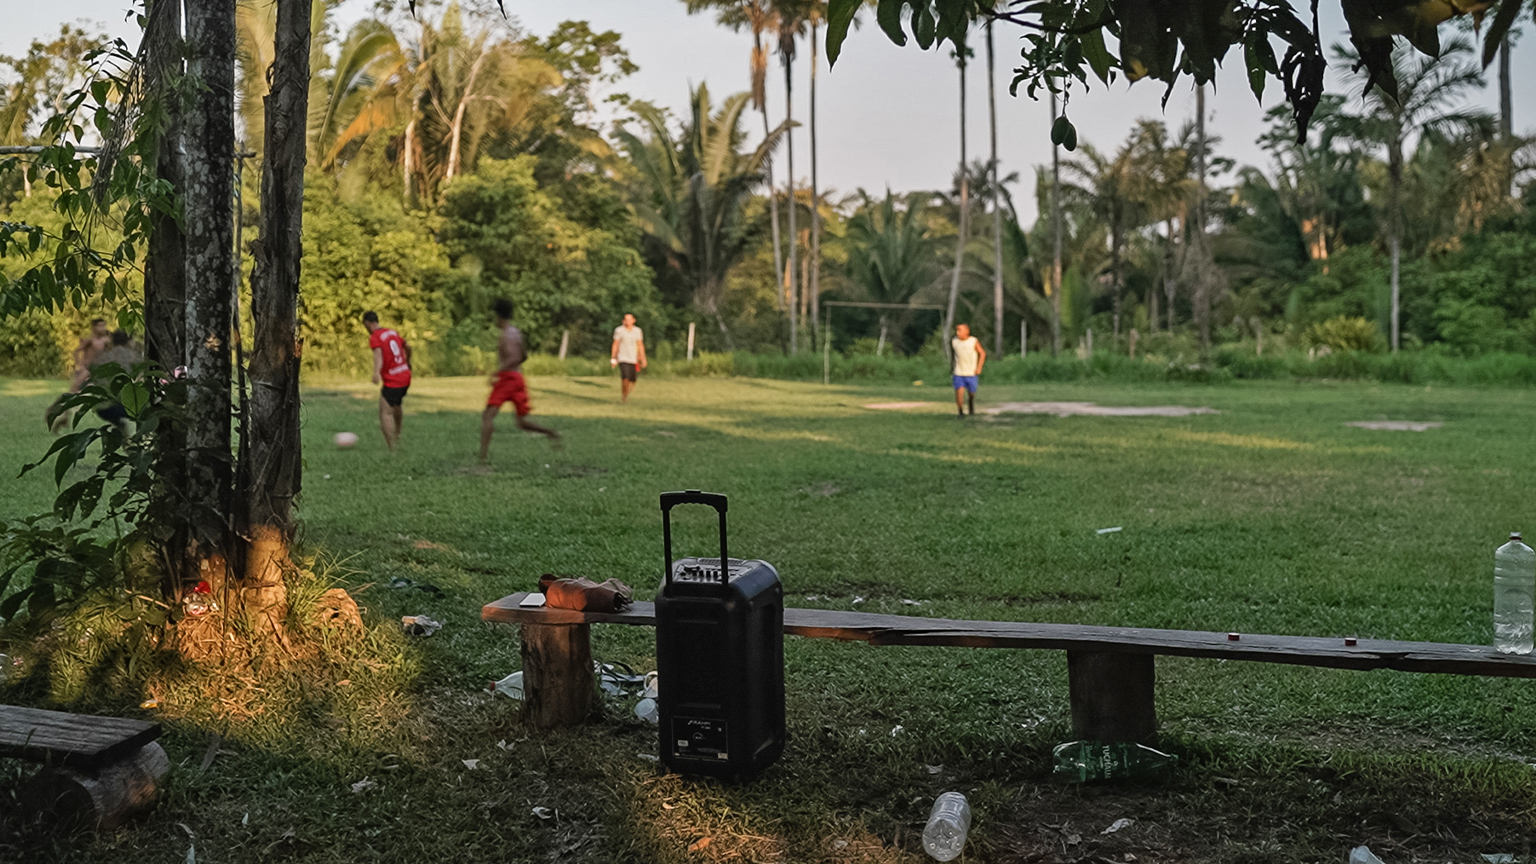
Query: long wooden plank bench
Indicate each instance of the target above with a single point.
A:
(1109, 669)
(104, 769)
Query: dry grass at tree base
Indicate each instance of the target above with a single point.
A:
(1272, 516)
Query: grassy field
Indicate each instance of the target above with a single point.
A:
(1271, 516)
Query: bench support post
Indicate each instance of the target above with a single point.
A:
(558, 685)
(1112, 696)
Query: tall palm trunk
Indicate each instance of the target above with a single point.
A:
(1395, 225)
(272, 473)
(815, 281)
(1203, 282)
(965, 210)
(1170, 283)
(997, 208)
(1055, 238)
(457, 131)
(1506, 95)
(207, 195)
(1506, 110)
(789, 145)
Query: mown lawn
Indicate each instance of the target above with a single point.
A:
(1272, 516)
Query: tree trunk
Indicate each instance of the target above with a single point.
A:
(997, 207)
(965, 209)
(1055, 239)
(457, 131)
(880, 346)
(208, 192)
(273, 470)
(1394, 225)
(1203, 282)
(1170, 284)
(165, 287)
(789, 145)
(1395, 246)
(815, 284)
(773, 211)
(1114, 276)
(1506, 94)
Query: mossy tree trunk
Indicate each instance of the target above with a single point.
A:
(272, 472)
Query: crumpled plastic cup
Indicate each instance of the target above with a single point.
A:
(646, 710)
(1363, 855)
(510, 686)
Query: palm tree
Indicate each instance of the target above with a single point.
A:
(440, 101)
(1427, 91)
(892, 253)
(694, 190)
(1111, 188)
(757, 16)
(255, 34)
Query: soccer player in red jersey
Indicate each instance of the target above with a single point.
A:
(392, 370)
(507, 385)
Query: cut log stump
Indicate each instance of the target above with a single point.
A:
(558, 684)
(1112, 696)
(104, 797)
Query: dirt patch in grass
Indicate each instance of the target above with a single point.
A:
(1090, 409)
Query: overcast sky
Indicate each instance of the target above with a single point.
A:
(887, 116)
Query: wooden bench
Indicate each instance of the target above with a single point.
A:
(101, 769)
(1109, 669)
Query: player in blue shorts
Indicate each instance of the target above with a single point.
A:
(969, 357)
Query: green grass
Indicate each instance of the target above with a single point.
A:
(1272, 516)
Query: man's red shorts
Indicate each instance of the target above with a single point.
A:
(510, 387)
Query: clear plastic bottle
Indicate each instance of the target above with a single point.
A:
(1514, 595)
(948, 822)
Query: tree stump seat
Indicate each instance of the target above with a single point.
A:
(1110, 669)
(104, 770)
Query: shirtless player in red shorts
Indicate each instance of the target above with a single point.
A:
(507, 384)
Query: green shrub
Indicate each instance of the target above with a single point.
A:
(1343, 333)
(30, 345)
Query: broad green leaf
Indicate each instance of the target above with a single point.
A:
(1257, 74)
(134, 398)
(1097, 55)
(840, 15)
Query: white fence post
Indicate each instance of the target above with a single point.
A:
(565, 342)
(690, 340)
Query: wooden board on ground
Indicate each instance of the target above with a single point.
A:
(877, 629)
(77, 740)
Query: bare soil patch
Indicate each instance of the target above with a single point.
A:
(1091, 409)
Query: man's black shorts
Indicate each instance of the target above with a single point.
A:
(627, 371)
(393, 396)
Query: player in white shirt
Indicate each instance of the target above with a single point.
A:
(969, 357)
(628, 354)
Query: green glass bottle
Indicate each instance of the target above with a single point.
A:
(1087, 761)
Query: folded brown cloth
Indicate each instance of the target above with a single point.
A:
(584, 595)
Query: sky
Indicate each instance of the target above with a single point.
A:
(887, 116)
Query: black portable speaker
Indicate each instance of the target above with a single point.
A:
(719, 657)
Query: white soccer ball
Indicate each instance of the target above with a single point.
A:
(345, 440)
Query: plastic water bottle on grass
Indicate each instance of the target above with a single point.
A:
(1514, 595)
(948, 822)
